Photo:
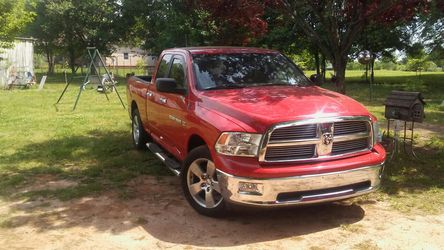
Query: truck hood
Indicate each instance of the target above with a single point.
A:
(257, 108)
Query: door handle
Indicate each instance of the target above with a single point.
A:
(149, 94)
(163, 100)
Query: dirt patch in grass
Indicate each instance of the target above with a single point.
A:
(50, 182)
(157, 216)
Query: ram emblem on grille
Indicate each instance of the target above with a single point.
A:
(325, 146)
(327, 138)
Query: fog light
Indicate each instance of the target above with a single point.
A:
(250, 188)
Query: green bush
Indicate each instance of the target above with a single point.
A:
(421, 64)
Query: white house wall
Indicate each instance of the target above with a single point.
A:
(117, 59)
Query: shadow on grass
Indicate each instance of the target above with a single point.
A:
(96, 161)
(415, 176)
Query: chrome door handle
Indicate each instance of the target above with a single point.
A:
(149, 94)
(163, 100)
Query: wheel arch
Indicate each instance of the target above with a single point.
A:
(195, 141)
(133, 107)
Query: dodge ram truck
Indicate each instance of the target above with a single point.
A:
(246, 126)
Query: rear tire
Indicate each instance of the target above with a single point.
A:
(139, 135)
(200, 184)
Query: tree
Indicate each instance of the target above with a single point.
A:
(14, 15)
(416, 50)
(281, 33)
(46, 30)
(382, 41)
(177, 23)
(335, 25)
(437, 56)
(433, 24)
(70, 26)
(284, 36)
(159, 24)
(244, 24)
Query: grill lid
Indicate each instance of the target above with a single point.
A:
(403, 99)
(405, 106)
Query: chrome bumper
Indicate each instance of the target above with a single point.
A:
(303, 189)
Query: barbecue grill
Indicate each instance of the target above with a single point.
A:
(407, 107)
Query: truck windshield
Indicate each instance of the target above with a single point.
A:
(221, 71)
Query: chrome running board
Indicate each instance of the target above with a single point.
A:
(170, 162)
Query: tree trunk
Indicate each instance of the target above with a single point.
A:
(366, 73)
(323, 68)
(317, 63)
(51, 62)
(72, 60)
(50, 59)
(339, 65)
(372, 72)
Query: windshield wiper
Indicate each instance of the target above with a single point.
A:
(226, 86)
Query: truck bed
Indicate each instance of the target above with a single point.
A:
(143, 78)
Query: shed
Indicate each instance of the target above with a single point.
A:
(18, 59)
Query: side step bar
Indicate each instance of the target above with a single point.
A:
(171, 163)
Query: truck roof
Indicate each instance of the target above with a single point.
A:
(223, 50)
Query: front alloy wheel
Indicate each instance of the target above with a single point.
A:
(200, 184)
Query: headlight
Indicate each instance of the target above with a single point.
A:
(377, 135)
(238, 144)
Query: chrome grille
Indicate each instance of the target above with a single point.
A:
(344, 147)
(294, 133)
(316, 139)
(290, 153)
(350, 127)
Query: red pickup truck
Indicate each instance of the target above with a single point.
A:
(244, 125)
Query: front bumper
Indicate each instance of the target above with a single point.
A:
(302, 189)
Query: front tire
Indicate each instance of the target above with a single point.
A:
(140, 137)
(200, 184)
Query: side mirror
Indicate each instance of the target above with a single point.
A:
(316, 79)
(168, 85)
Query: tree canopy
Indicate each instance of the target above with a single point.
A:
(314, 31)
(335, 25)
(69, 26)
(14, 16)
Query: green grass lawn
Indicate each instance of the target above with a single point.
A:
(92, 145)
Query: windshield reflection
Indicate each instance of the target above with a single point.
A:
(220, 71)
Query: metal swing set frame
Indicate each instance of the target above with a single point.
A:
(106, 81)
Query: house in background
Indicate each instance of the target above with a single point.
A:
(16, 62)
(130, 57)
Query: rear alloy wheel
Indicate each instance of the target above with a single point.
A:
(140, 137)
(200, 183)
